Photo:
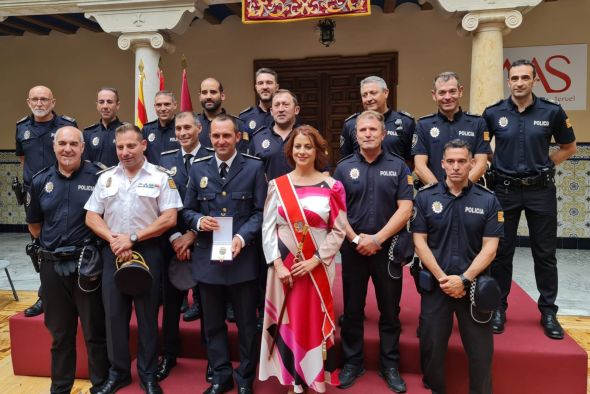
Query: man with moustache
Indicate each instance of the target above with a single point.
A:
(100, 137)
(55, 215)
(266, 84)
(160, 134)
(34, 146)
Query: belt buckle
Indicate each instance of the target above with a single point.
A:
(527, 181)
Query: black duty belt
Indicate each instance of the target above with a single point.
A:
(48, 256)
(545, 178)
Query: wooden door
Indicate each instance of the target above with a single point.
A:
(328, 88)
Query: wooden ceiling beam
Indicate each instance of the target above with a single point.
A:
(48, 25)
(85, 23)
(17, 24)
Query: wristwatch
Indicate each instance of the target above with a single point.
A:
(133, 238)
(466, 282)
(356, 240)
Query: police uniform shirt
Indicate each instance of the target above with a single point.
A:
(373, 189)
(434, 131)
(34, 141)
(58, 201)
(399, 128)
(159, 139)
(270, 147)
(456, 225)
(100, 143)
(522, 139)
(255, 118)
(129, 206)
(205, 135)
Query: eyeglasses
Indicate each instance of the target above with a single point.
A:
(42, 100)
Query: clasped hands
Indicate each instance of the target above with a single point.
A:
(298, 269)
(452, 285)
(121, 246)
(368, 244)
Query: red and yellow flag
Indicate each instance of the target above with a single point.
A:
(141, 118)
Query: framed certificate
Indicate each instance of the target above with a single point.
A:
(222, 238)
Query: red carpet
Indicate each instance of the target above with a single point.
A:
(525, 360)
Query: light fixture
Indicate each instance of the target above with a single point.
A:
(326, 27)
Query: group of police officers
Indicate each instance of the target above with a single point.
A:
(123, 189)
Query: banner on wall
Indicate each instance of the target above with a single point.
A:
(561, 72)
(257, 11)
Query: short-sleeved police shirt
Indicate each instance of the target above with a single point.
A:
(456, 225)
(434, 131)
(270, 147)
(159, 139)
(34, 141)
(522, 138)
(373, 189)
(99, 143)
(255, 118)
(399, 129)
(57, 202)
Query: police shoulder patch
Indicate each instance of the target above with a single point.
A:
(425, 187)
(169, 151)
(91, 127)
(22, 120)
(550, 101)
(250, 156)
(68, 118)
(344, 158)
(246, 110)
(352, 116)
(200, 159)
(105, 170)
(482, 187)
(427, 116)
(409, 115)
(40, 171)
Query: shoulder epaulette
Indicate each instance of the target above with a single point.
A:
(150, 123)
(352, 116)
(165, 170)
(496, 103)
(257, 130)
(428, 116)
(427, 186)
(68, 118)
(470, 114)
(409, 115)
(200, 159)
(550, 101)
(169, 151)
(250, 156)
(484, 188)
(344, 158)
(398, 156)
(100, 165)
(40, 171)
(209, 149)
(22, 120)
(91, 126)
(105, 170)
(246, 110)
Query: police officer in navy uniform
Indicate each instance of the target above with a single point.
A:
(212, 97)
(34, 146)
(268, 143)
(100, 137)
(180, 239)
(456, 231)
(379, 194)
(399, 126)
(522, 126)
(131, 205)
(227, 184)
(450, 122)
(266, 84)
(159, 134)
(55, 214)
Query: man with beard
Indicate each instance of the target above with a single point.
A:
(266, 85)
(34, 146)
(159, 133)
(100, 137)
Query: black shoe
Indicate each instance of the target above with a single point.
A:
(209, 373)
(112, 386)
(219, 388)
(393, 379)
(348, 374)
(245, 389)
(193, 313)
(164, 367)
(184, 306)
(498, 321)
(151, 387)
(230, 315)
(551, 326)
(35, 310)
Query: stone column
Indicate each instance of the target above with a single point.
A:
(147, 47)
(487, 29)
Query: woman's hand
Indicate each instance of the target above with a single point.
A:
(283, 272)
(301, 268)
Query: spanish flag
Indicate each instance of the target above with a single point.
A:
(141, 118)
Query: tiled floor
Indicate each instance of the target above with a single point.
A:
(574, 273)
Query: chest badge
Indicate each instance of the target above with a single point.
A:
(503, 121)
(265, 144)
(252, 124)
(151, 137)
(27, 134)
(173, 171)
(437, 207)
(109, 182)
(434, 132)
(204, 182)
(354, 173)
(95, 141)
(49, 187)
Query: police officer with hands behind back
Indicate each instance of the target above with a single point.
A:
(55, 214)
(34, 146)
(522, 126)
(132, 204)
(450, 122)
(456, 232)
